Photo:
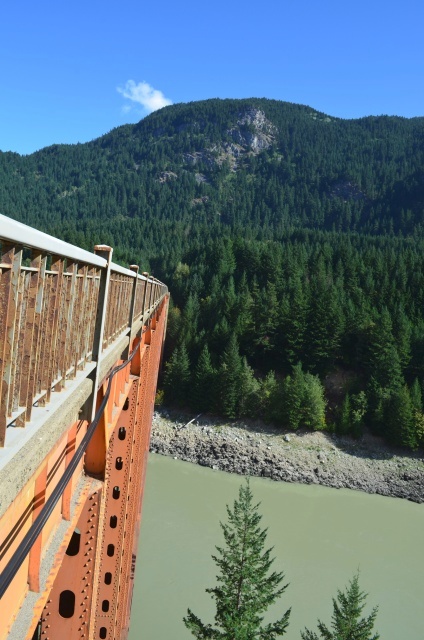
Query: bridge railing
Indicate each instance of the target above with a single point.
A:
(60, 307)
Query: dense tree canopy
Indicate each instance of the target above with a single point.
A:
(292, 243)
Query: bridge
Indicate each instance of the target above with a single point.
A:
(81, 342)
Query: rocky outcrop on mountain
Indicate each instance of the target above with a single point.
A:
(166, 176)
(254, 131)
(251, 134)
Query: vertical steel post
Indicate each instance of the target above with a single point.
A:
(134, 268)
(104, 252)
(9, 282)
(146, 275)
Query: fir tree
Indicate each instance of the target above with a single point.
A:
(314, 403)
(384, 363)
(344, 421)
(230, 373)
(416, 396)
(402, 333)
(293, 391)
(417, 413)
(325, 327)
(269, 398)
(295, 322)
(400, 419)
(351, 415)
(204, 382)
(303, 402)
(244, 304)
(358, 410)
(249, 392)
(177, 377)
(246, 587)
(346, 622)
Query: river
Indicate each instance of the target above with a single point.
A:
(320, 536)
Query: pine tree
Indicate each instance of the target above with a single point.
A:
(314, 403)
(245, 588)
(203, 382)
(295, 322)
(325, 327)
(230, 377)
(303, 402)
(249, 402)
(416, 396)
(293, 390)
(402, 333)
(244, 305)
(383, 358)
(177, 377)
(400, 419)
(344, 421)
(358, 410)
(347, 623)
(417, 413)
(270, 398)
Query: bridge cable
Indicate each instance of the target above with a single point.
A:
(36, 528)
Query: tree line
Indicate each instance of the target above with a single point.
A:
(256, 329)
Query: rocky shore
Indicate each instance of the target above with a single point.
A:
(309, 458)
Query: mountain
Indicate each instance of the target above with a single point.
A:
(286, 236)
(247, 163)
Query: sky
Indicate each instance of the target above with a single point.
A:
(72, 71)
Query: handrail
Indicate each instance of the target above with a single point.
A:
(56, 320)
(19, 233)
(36, 528)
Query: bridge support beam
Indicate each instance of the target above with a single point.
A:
(92, 593)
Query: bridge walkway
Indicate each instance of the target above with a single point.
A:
(73, 438)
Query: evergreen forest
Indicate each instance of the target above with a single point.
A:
(292, 243)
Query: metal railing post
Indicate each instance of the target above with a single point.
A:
(11, 258)
(104, 252)
(150, 294)
(146, 275)
(134, 268)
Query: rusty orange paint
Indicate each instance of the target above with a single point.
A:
(74, 578)
(95, 456)
(15, 523)
(90, 487)
(96, 450)
(70, 450)
(35, 553)
(129, 412)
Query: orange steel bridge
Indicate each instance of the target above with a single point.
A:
(81, 342)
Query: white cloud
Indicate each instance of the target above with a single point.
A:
(142, 93)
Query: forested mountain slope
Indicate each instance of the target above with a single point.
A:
(285, 235)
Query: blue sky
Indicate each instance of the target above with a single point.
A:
(73, 71)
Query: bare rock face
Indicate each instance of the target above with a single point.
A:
(200, 178)
(204, 156)
(251, 134)
(202, 200)
(166, 176)
(253, 130)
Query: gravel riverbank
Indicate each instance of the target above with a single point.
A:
(309, 458)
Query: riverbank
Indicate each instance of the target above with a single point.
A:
(309, 458)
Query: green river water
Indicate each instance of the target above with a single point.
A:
(320, 536)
